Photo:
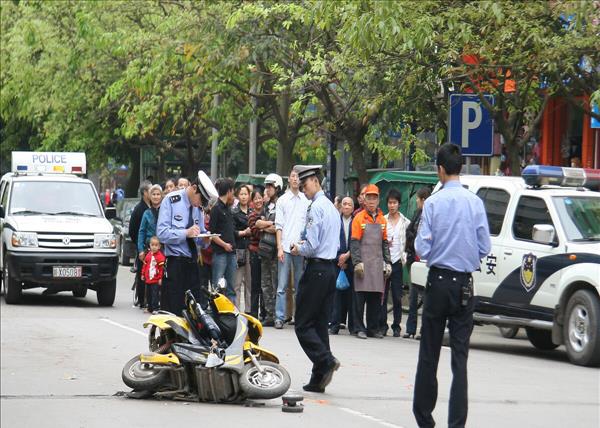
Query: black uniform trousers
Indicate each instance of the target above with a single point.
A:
(442, 301)
(182, 274)
(315, 290)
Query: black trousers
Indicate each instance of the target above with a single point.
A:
(182, 273)
(153, 295)
(140, 285)
(256, 301)
(342, 306)
(315, 289)
(442, 302)
(394, 284)
(372, 301)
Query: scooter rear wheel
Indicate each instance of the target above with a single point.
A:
(272, 383)
(143, 376)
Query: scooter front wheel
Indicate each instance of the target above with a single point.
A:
(143, 376)
(273, 382)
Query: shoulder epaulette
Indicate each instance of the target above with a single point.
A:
(175, 198)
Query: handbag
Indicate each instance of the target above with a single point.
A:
(267, 246)
(342, 282)
(240, 254)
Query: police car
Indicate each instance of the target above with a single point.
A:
(54, 233)
(543, 272)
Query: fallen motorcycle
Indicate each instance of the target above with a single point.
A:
(206, 355)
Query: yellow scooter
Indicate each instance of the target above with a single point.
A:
(210, 355)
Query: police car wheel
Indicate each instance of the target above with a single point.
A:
(12, 288)
(581, 328)
(106, 291)
(541, 339)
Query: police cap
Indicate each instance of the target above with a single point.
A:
(305, 171)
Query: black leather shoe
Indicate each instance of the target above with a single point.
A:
(396, 332)
(408, 335)
(315, 384)
(310, 387)
(335, 364)
(268, 323)
(334, 330)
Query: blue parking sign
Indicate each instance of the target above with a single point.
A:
(471, 125)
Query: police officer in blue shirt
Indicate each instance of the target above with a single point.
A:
(319, 246)
(180, 221)
(453, 237)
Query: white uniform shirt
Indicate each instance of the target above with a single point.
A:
(397, 238)
(290, 217)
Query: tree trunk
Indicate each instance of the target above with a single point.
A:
(358, 158)
(284, 155)
(133, 184)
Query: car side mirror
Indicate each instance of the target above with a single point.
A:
(110, 213)
(544, 233)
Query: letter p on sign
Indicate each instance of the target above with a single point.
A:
(471, 125)
(467, 124)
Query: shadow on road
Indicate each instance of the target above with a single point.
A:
(521, 348)
(66, 299)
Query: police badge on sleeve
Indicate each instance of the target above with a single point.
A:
(528, 271)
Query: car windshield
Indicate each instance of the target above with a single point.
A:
(580, 217)
(54, 198)
(126, 209)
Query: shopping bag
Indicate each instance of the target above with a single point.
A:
(342, 282)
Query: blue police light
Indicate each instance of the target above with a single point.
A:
(541, 175)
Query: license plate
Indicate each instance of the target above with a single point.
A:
(66, 272)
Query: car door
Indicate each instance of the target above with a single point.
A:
(4, 203)
(486, 279)
(526, 264)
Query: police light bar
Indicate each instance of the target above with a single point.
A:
(48, 162)
(540, 175)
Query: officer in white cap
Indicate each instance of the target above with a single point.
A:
(180, 221)
(319, 245)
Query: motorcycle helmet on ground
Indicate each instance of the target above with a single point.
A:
(206, 188)
(274, 180)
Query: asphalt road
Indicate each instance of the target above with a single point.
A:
(61, 361)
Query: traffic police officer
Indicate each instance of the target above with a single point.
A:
(453, 237)
(180, 220)
(319, 246)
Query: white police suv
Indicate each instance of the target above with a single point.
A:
(543, 272)
(54, 233)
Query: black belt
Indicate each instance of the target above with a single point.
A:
(318, 260)
(449, 271)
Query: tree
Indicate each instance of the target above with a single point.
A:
(506, 49)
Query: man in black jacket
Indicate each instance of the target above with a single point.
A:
(134, 227)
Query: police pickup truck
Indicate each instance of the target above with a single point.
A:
(54, 233)
(543, 272)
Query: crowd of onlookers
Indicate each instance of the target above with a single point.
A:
(256, 227)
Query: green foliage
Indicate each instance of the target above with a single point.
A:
(108, 77)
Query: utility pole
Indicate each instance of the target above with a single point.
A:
(214, 145)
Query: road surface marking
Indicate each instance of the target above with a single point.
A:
(370, 418)
(123, 326)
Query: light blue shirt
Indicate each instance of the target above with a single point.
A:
(453, 233)
(322, 232)
(173, 222)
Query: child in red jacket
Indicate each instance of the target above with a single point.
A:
(152, 273)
